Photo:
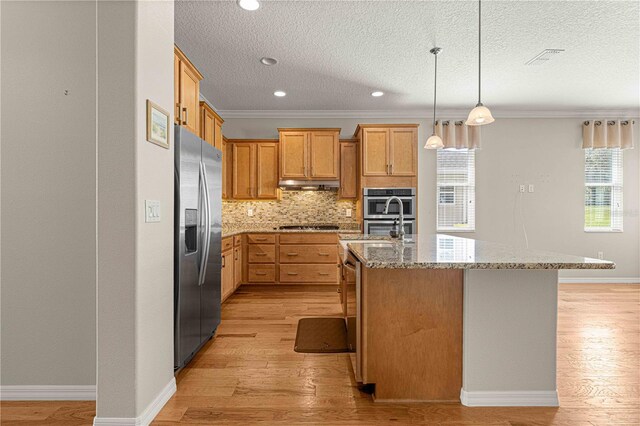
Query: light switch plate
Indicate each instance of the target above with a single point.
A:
(348, 212)
(249, 212)
(151, 211)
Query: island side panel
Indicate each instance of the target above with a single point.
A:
(412, 333)
(510, 326)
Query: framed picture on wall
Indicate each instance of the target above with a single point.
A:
(158, 125)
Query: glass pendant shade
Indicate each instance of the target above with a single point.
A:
(479, 116)
(434, 142)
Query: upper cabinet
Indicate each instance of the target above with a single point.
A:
(210, 125)
(389, 156)
(254, 169)
(348, 169)
(186, 91)
(309, 154)
(227, 168)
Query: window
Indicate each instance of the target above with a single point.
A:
(603, 190)
(456, 190)
(447, 195)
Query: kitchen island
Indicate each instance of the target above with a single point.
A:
(444, 318)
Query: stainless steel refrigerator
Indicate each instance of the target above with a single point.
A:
(198, 229)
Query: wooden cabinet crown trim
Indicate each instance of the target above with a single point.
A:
(373, 126)
(314, 129)
(184, 58)
(252, 140)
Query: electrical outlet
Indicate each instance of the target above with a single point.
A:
(347, 212)
(249, 212)
(530, 187)
(521, 188)
(601, 255)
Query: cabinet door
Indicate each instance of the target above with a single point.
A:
(402, 151)
(267, 172)
(243, 170)
(189, 97)
(227, 170)
(375, 152)
(237, 267)
(293, 155)
(324, 155)
(348, 170)
(207, 120)
(227, 284)
(176, 88)
(217, 124)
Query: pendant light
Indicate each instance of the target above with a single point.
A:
(434, 141)
(480, 115)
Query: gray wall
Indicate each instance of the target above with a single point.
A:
(543, 152)
(135, 267)
(48, 193)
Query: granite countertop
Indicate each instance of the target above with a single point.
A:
(437, 251)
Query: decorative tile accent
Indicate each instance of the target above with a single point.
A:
(295, 208)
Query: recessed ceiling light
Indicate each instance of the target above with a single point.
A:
(249, 4)
(377, 94)
(268, 61)
(279, 93)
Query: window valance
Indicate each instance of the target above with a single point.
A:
(607, 134)
(456, 134)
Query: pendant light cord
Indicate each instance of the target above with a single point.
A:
(435, 88)
(479, 51)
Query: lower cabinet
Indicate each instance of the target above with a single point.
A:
(226, 279)
(232, 265)
(293, 258)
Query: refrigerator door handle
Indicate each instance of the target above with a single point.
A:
(207, 231)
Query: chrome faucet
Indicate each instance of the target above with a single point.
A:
(400, 215)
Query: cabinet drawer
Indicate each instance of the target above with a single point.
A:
(237, 240)
(227, 243)
(261, 253)
(262, 273)
(304, 238)
(316, 253)
(261, 238)
(308, 273)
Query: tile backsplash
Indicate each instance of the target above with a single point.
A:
(295, 207)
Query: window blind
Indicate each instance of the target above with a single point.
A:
(456, 190)
(603, 190)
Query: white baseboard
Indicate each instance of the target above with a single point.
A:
(147, 415)
(509, 398)
(48, 393)
(599, 280)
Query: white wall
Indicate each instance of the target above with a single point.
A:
(543, 152)
(48, 193)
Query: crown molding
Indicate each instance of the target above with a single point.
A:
(426, 114)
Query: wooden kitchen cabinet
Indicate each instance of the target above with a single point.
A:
(186, 91)
(348, 170)
(227, 283)
(227, 168)
(309, 154)
(267, 170)
(388, 154)
(210, 126)
(254, 167)
(243, 166)
(237, 266)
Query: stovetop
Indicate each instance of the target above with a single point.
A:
(310, 227)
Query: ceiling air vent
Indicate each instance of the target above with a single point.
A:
(544, 56)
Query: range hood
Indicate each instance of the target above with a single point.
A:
(309, 185)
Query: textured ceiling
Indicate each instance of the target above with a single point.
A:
(333, 54)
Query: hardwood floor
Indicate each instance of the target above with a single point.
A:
(250, 374)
